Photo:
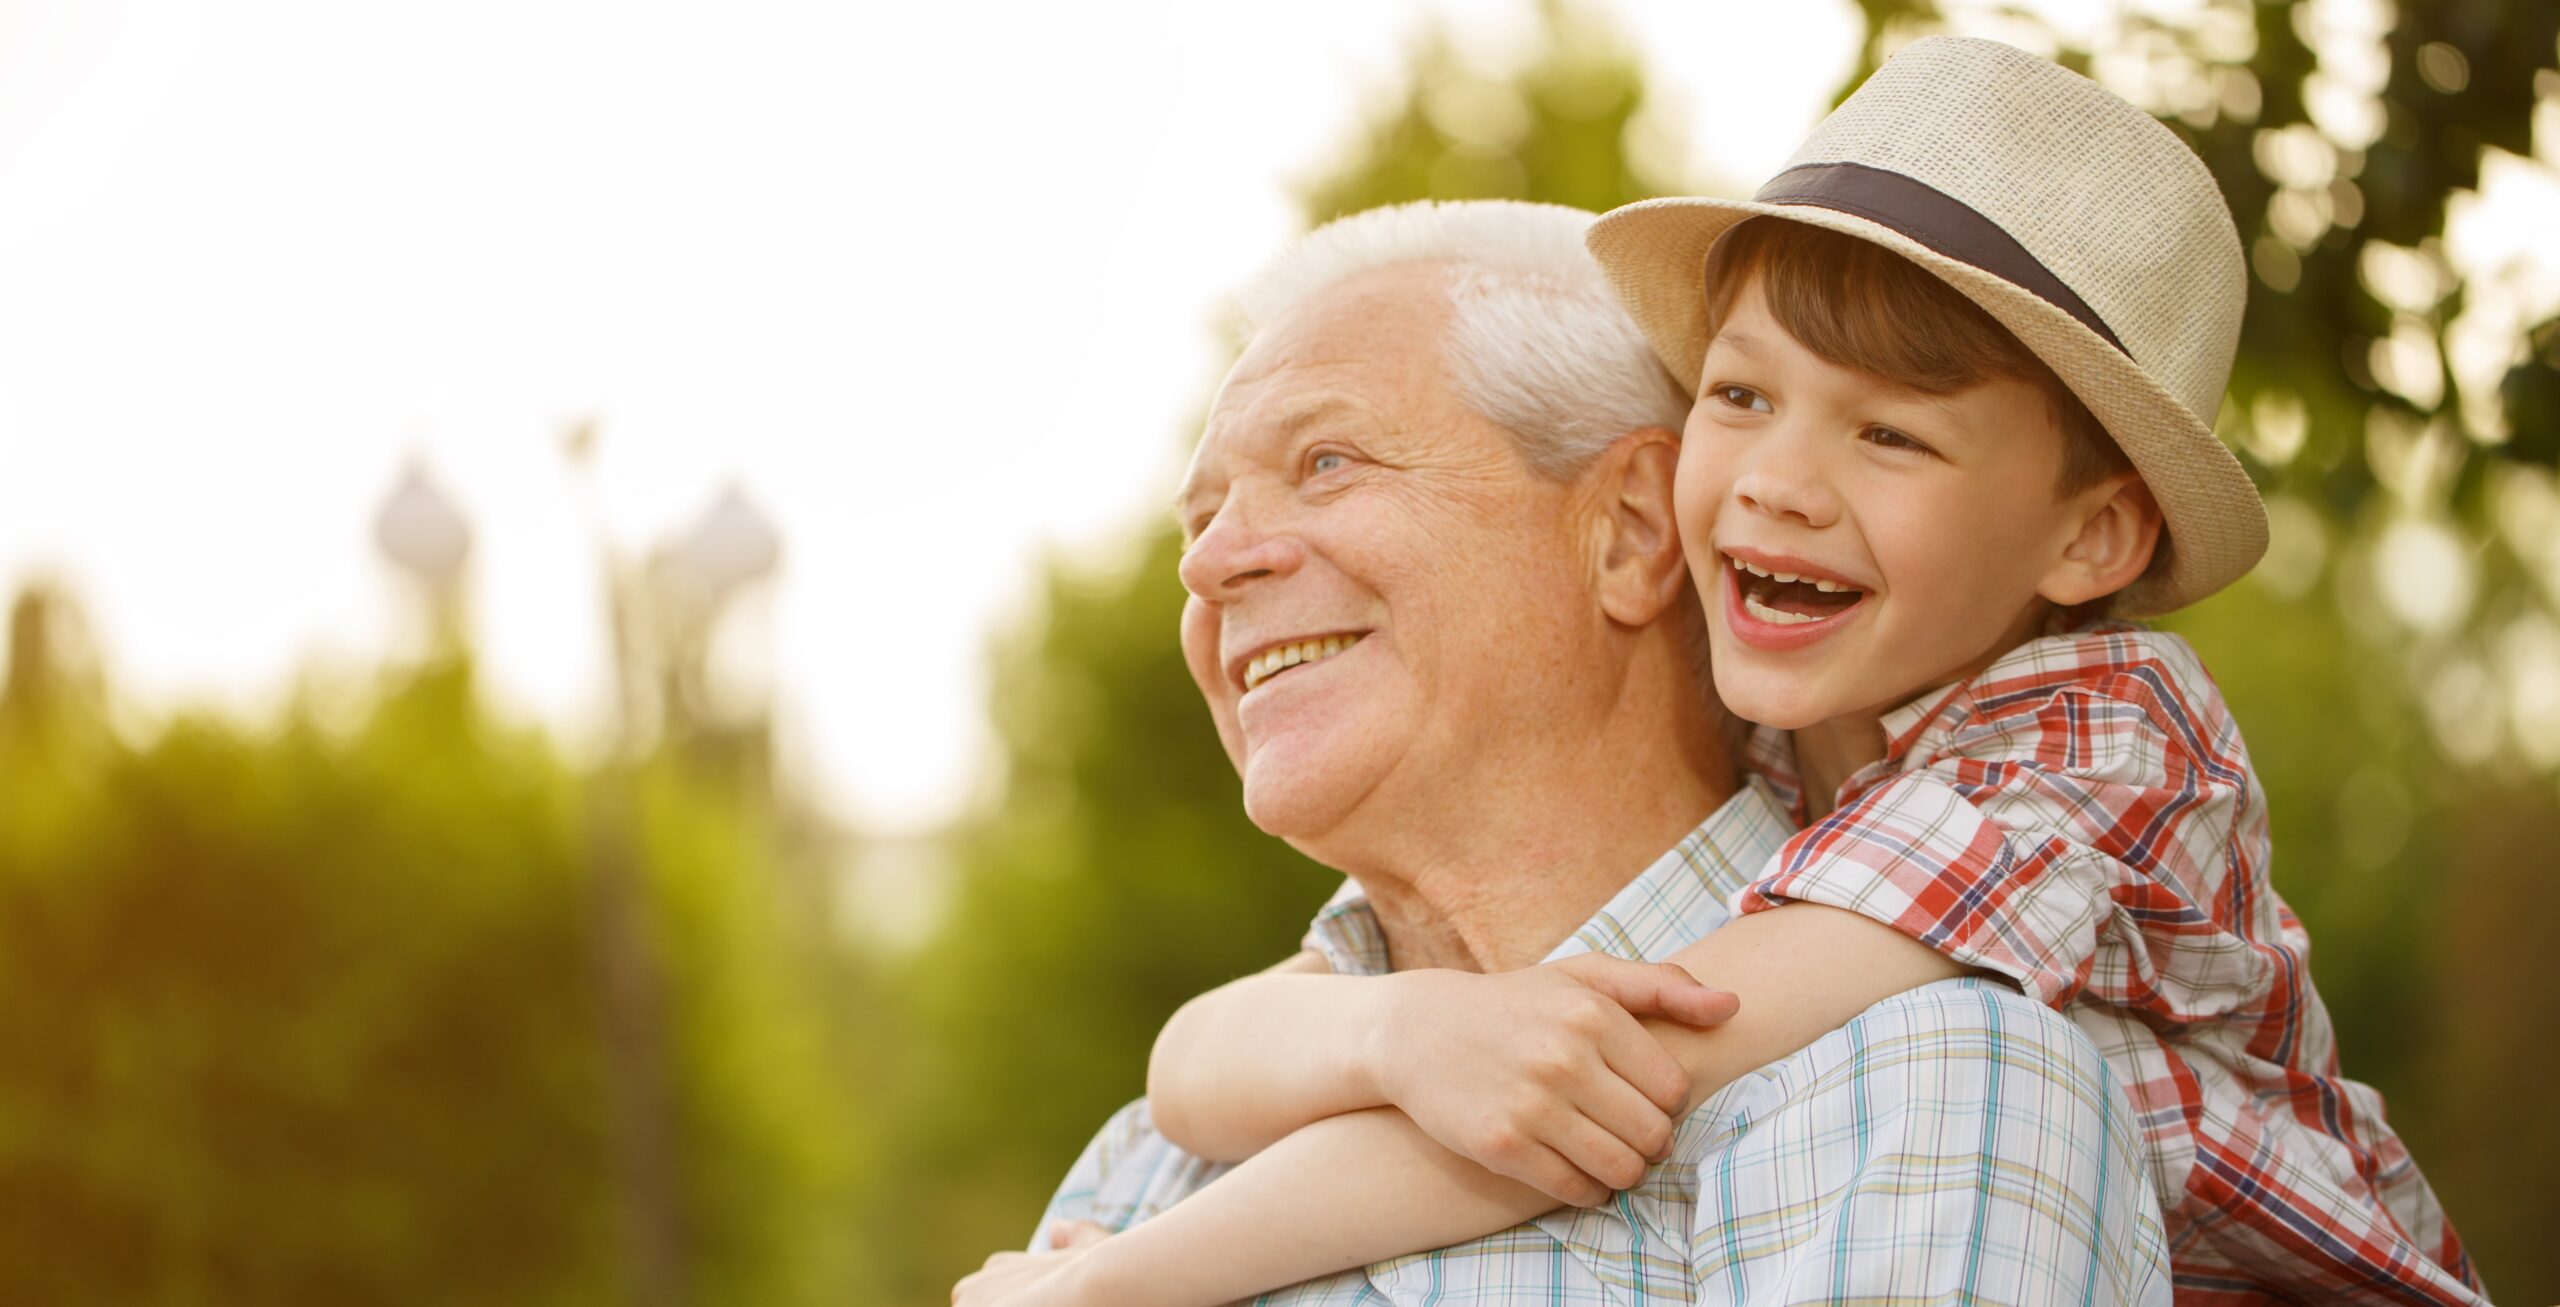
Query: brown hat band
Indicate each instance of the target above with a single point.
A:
(1935, 219)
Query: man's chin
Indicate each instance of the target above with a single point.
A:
(1296, 796)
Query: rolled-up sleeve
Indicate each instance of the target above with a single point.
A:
(2071, 843)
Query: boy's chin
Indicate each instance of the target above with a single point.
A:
(1779, 707)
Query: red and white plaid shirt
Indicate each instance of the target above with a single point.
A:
(2082, 818)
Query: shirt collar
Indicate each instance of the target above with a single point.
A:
(1771, 753)
(1671, 905)
(1770, 756)
(1903, 727)
(1932, 715)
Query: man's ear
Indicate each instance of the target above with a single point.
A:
(2119, 527)
(1641, 570)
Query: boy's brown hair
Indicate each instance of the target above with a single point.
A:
(1859, 305)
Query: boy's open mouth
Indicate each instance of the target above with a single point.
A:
(1785, 599)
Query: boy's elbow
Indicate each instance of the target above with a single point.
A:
(1188, 1132)
(1170, 1095)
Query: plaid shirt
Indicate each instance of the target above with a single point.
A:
(1955, 1143)
(2082, 818)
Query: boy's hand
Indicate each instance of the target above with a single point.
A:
(1017, 1280)
(1544, 1074)
(1011, 1279)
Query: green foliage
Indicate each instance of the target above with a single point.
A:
(2419, 886)
(1554, 131)
(262, 978)
(315, 1018)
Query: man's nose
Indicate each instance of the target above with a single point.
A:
(1787, 477)
(1234, 551)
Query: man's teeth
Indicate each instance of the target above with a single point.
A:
(1272, 662)
(1826, 587)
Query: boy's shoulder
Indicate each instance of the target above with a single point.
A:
(2154, 672)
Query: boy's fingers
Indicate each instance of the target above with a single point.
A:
(1547, 1171)
(1689, 1001)
(1653, 988)
(1697, 1005)
(1634, 1120)
(1640, 1060)
(1600, 1155)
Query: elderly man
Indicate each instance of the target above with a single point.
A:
(1439, 482)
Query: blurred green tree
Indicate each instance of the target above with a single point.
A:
(319, 1016)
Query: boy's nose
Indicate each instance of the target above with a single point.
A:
(1786, 480)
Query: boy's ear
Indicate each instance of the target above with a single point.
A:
(2119, 527)
(1641, 570)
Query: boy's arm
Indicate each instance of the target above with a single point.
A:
(1542, 1074)
(1368, 1185)
(1253, 1059)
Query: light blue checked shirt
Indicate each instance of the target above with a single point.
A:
(1956, 1143)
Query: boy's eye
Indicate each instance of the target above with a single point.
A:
(1892, 439)
(1742, 397)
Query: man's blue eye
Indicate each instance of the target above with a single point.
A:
(1326, 463)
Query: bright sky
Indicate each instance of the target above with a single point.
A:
(934, 285)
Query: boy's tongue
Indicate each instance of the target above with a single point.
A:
(1800, 598)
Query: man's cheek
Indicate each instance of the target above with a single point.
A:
(1200, 656)
(1200, 646)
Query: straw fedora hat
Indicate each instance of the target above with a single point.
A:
(2083, 226)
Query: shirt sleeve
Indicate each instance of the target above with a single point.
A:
(1128, 1174)
(1076, 1195)
(2102, 839)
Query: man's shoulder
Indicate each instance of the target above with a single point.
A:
(1683, 895)
(1126, 1174)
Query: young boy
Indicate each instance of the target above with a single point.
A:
(1955, 371)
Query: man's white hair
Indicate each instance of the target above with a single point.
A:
(1537, 341)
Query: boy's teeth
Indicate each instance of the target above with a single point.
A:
(1826, 587)
(1773, 616)
(1273, 661)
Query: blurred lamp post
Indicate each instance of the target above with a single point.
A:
(664, 614)
(423, 535)
(732, 546)
(694, 581)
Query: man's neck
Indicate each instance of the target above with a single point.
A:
(1506, 902)
(1495, 873)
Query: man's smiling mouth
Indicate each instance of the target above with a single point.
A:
(1786, 599)
(1280, 658)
